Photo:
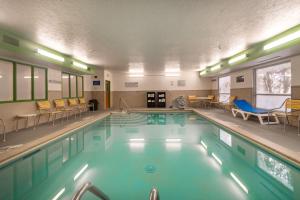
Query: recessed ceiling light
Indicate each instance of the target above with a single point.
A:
(172, 74)
(136, 75)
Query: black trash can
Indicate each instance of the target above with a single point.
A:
(94, 103)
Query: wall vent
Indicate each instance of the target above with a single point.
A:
(181, 83)
(10, 40)
(268, 60)
(131, 84)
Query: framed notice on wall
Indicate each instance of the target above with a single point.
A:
(240, 79)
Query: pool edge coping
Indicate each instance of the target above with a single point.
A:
(31, 146)
(277, 149)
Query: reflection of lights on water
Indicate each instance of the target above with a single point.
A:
(173, 140)
(216, 158)
(173, 146)
(136, 139)
(136, 146)
(239, 182)
(203, 144)
(80, 172)
(58, 195)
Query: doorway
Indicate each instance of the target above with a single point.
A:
(107, 94)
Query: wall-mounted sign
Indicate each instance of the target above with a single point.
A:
(131, 84)
(240, 79)
(96, 82)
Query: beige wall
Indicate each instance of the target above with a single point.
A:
(137, 99)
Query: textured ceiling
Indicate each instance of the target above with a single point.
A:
(112, 33)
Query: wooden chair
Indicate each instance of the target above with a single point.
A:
(192, 99)
(60, 106)
(73, 104)
(215, 102)
(228, 105)
(44, 108)
(83, 105)
(291, 110)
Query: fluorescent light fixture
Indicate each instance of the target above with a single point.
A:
(136, 70)
(50, 55)
(58, 195)
(203, 144)
(216, 67)
(217, 159)
(172, 70)
(1, 76)
(239, 182)
(80, 172)
(29, 77)
(137, 140)
(172, 74)
(80, 65)
(173, 140)
(203, 72)
(136, 75)
(282, 40)
(237, 58)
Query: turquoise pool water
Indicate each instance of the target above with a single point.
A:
(183, 155)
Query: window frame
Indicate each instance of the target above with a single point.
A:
(255, 94)
(76, 85)
(14, 65)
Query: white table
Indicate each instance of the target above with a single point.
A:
(26, 117)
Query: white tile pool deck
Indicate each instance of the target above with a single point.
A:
(270, 136)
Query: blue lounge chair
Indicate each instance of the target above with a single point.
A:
(246, 110)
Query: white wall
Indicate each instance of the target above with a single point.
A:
(159, 82)
(248, 79)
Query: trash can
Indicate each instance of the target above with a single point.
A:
(94, 104)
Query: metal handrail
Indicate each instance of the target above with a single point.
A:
(124, 102)
(3, 130)
(91, 188)
(154, 195)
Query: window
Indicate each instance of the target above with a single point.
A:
(65, 85)
(273, 85)
(72, 86)
(23, 79)
(224, 88)
(40, 83)
(6, 78)
(80, 86)
(22, 82)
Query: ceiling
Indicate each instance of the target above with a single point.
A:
(114, 33)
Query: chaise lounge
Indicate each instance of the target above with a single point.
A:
(246, 110)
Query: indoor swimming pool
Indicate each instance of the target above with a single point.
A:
(182, 154)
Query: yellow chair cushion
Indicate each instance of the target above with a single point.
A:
(293, 104)
(81, 100)
(43, 105)
(72, 102)
(59, 103)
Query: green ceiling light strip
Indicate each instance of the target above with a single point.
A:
(277, 43)
(215, 67)
(12, 43)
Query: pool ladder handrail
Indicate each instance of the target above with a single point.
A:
(88, 186)
(154, 195)
(122, 101)
(3, 130)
